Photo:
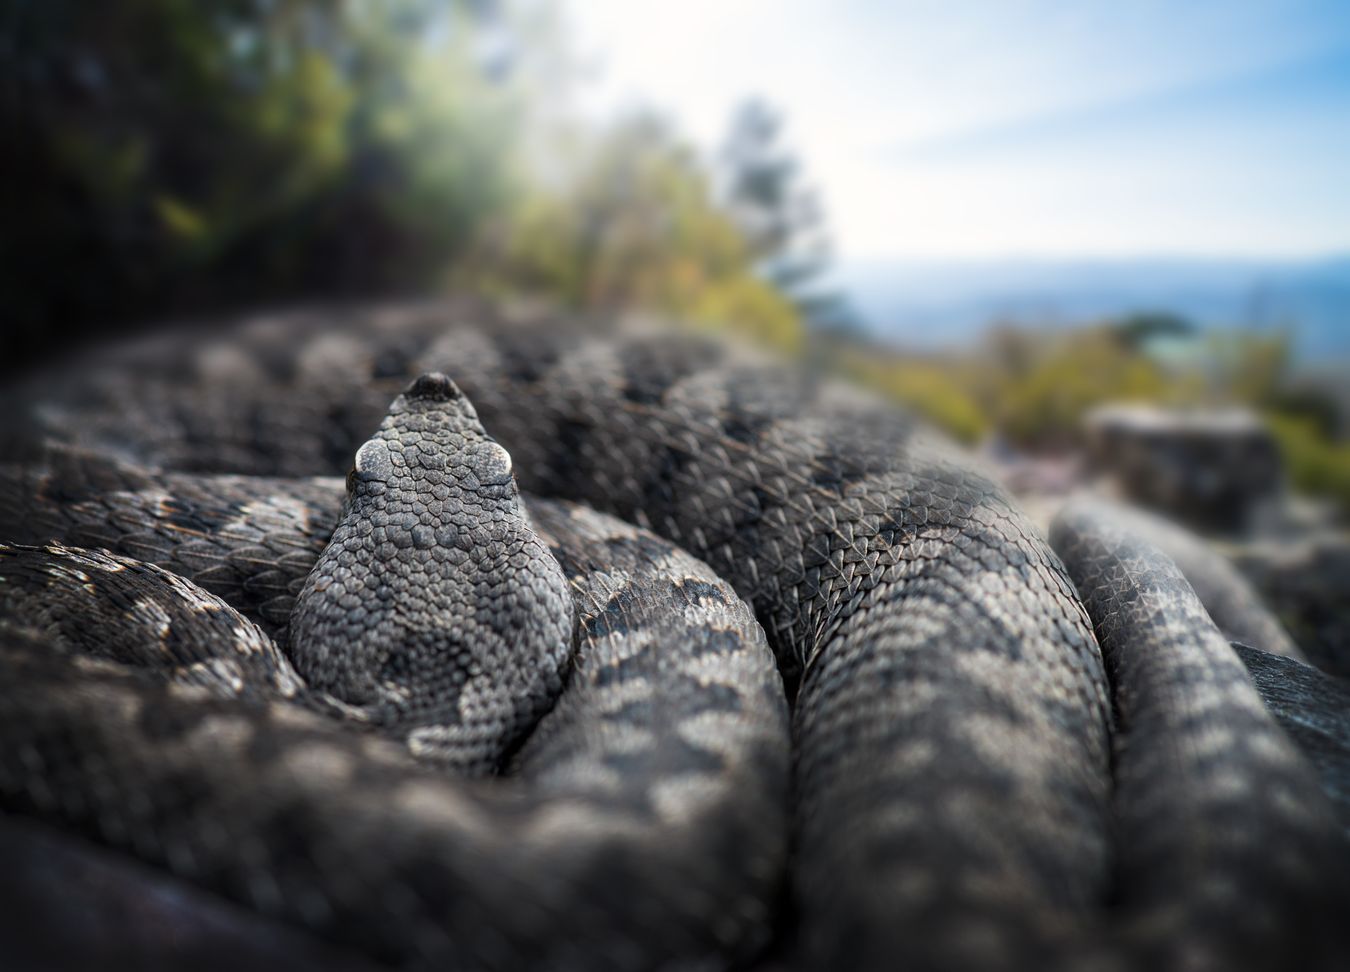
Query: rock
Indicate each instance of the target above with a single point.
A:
(1214, 469)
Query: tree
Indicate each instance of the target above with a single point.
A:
(632, 223)
(167, 155)
(1139, 330)
(177, 157)
(765, 193)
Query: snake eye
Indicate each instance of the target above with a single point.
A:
(372, 463)
(492, 464)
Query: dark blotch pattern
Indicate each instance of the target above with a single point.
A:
(954, 803)
(1237, 862)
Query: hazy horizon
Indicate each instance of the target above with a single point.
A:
(934, 303)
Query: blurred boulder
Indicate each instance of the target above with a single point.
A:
(1213, 469)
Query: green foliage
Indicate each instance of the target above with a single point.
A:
(1033, 388)
(1313, 406)
(175, 154)
(1038, 394)
(936, 389)
(1138, 330)
(184, 156)
(1316, 465)
(632, 224)
(1240, 366)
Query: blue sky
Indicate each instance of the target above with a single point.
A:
(1019, 128)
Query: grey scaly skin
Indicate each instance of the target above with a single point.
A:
(952, 722)
(1237, 862)
(435, 611)
(250, 541)
(1310, 705)
(1228, 598)
(435, 607)
(203, 752)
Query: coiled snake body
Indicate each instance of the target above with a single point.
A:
(953, 714)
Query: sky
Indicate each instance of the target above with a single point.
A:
(1018, 128)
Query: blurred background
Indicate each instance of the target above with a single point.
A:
(1102, 243)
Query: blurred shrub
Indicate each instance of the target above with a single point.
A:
(1138, 331)
(1038, 387)
(934, 388)
(1314, 406)
(1033, 388)
(629, 221)
(1315, 464)
(1030, 387)
(1245, 367)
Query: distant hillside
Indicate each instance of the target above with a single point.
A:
(942, 304)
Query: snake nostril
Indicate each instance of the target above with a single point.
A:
(434, 386)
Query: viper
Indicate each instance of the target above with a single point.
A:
(984, 774)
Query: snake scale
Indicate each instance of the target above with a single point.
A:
(998, 758)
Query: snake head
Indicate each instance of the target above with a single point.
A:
(430, 414)
(436, 607)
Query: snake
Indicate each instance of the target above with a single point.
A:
(900, 729)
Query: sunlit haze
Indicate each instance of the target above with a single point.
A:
(1022, 128)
